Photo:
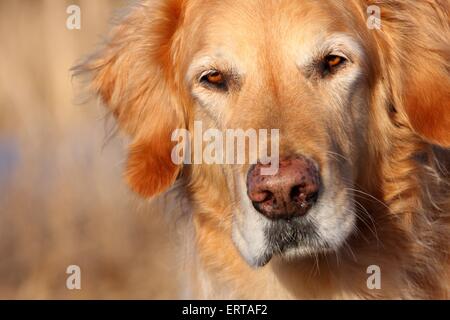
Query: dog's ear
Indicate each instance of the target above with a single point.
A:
(132, 74)
(416, 35)
(426, 101)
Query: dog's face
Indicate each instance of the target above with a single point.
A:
(273, 66)
(311, 69)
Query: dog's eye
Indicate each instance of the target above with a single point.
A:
(214, 79)
(332, 63)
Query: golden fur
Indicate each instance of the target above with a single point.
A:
(398, 157)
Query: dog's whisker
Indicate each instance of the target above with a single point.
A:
(349, 249)
(338, 156)
(368, 196)
(366, 213)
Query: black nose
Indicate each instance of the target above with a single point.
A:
(289, 193)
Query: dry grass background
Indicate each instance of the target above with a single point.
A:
(62, 199)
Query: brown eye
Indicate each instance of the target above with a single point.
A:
(332, 63)
(215, 79)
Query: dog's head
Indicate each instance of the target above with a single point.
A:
(335, 89)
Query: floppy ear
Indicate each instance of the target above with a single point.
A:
(427, 105)
(133, 76)
(416, 33)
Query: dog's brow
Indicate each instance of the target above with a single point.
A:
(345, 42)
(342, 42)
(197, 66)
(217, 61)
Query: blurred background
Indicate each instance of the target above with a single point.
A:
(62, 198)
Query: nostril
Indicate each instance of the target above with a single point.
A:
(312, 197)
(261, 196)
(264, 202)
(265, 196)
(303, 196)
(296, 191)
(269, 201)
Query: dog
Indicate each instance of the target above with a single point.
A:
(359, 207)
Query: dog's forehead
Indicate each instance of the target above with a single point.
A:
(229, 28)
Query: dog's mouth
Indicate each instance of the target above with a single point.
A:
(323, 230)
(292, 238)
(295, 238)
(283, 235)
(260, 235)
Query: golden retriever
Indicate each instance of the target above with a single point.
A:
(363, 115)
